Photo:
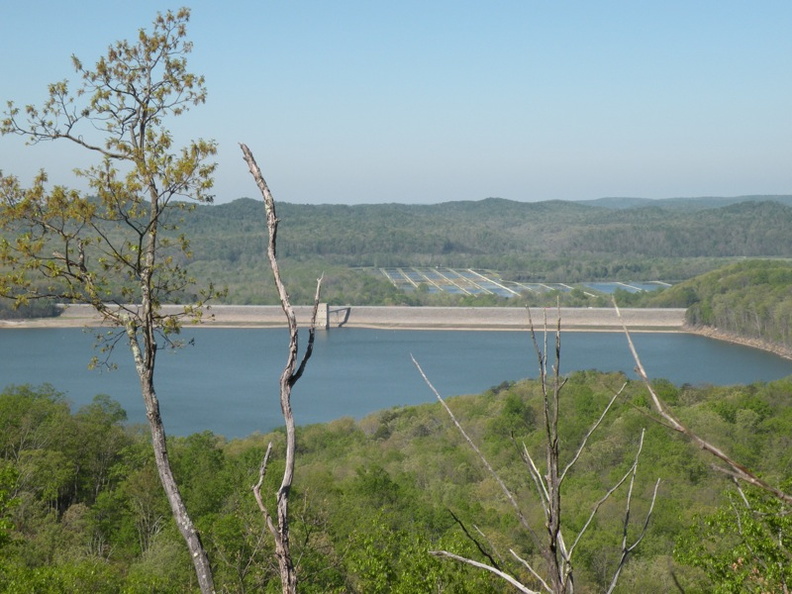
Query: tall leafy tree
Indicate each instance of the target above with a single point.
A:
(116, 243)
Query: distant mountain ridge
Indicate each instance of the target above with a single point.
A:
(608, 202)
(499, 233)
(554, 241)
(698, 203)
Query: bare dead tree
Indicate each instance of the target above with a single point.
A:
(279, 527)
(557, 578)
(730, 467)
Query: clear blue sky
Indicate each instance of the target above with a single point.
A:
(432, 100)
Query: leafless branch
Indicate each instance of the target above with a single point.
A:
(530, 568)
(733, 468)
(311, 333)
(591, 431)
(491, 544)
(548, 484)
(479, 546)
(626, 549)
(472, 444)
(499, 573)
(257, 488)
(595, 509)
(291, 373)
(541, 487)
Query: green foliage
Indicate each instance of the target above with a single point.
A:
(744, 546)
(516, 417)
(9, 476)
(384, 560)
(201, 455)
(81, 506)
(120, 242)
(752, 299)
(532, 242)
(31, 419)
(12, 310)
(84, 576)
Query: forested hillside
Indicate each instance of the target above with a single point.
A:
(544, 241)
(687, 204)
(551, 241)
(493, 232)
(751, 299)
(81, 510)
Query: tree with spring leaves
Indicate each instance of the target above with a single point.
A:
(745, 545)
(116, 245)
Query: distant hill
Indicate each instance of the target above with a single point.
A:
(550, 241)
(699, 203)
(751, 299)
(490, 232)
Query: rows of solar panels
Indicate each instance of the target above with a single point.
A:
(466, 281)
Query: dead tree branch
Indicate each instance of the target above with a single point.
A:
(553, 549)
(626, 549)
(257, 488)
(291, 373)
(499, 573)
(475, 541)
(732, 468)
(509, 496)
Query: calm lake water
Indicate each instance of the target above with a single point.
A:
(227, 381)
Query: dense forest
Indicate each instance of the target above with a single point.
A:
(550, 241)
(81, 509)
(554, 241)
(494, 233)
(751, 299)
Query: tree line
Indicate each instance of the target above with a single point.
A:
(80, 507)
(532, 242)
(750, 299)
(528, 242)
(486, 230)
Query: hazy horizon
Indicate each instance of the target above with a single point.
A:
(600, 198)
(413, 102)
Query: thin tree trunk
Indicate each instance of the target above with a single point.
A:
(144, 365)
(291, 373)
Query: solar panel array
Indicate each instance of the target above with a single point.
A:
(467, 281)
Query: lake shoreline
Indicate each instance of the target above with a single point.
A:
(223, 378)
(732, 338)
